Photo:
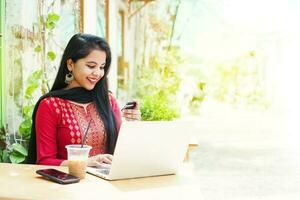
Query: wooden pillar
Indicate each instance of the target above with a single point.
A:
(107, 20)
(81, 20)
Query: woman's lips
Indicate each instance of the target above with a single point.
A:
(93, 80)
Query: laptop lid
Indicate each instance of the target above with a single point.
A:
(148, 148)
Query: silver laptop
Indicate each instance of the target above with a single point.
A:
(146, 149)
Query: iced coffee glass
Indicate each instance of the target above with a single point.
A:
(77, 159)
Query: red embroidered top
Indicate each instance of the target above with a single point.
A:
(60, 122)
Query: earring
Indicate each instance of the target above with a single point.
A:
(69, 77)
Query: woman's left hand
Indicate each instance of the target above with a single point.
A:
(99, 160)
(133, 114)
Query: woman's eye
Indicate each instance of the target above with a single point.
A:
(102, 67)
(90, 66)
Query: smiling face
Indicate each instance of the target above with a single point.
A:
(87, 71)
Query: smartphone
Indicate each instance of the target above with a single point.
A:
(58, 176)
(129, 105)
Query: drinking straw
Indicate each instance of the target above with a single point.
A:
(85, 134)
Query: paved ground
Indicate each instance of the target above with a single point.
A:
(245, 155)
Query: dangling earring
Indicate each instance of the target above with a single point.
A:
(69, 77)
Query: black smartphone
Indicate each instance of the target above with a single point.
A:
(58, 176)
(130, 105)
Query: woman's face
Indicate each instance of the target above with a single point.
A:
(87, 71)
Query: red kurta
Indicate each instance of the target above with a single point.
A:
(60, 122)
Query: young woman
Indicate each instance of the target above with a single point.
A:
(78, 98)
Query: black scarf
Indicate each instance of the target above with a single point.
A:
(79, 95)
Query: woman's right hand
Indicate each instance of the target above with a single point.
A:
(100, 159)
(131, 114)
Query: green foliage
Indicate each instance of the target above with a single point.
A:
(34, 77)
(14, 153)
(51, 20)
(157, 107)
(36, 80)
(30, 89)
(158, 85)
(27, 110)
(51, 55)
(38, 49)
(3, 151)
(5, 156)
(158, 77)
(33, 83)
(25, 127)
(18, 153)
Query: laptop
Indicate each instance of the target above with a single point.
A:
(146, 148)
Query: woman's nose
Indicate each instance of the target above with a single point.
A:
(97, 72)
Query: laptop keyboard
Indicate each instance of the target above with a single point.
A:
(103, 169)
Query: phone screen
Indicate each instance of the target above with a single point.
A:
(58, 176)
(130, 105)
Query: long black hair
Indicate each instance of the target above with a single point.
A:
(79, 46)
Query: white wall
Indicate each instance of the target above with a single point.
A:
(89, 19)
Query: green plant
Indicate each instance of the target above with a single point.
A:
(2, 143)
(157, 79)
(37, 80)
(158, 85)
(14, 153)
(15, 150)
(158, 107)
(33, 84)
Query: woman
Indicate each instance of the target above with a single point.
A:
(79, 98)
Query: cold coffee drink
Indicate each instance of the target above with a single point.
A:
(77, 159)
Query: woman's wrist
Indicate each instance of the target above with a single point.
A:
(64, 163)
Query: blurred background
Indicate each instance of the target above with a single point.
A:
(231, 67)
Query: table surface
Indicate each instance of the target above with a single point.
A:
(18, 181)
(247, 162)
(213, 172)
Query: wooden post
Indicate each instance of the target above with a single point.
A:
(81, 18)
(107, 20)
